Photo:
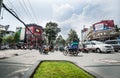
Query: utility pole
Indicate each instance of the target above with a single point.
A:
(15, 15)
(0, 5)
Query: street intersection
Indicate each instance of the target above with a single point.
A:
(14, 63)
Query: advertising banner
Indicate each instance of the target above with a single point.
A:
(37, 30)
(99, 26)
(22, 34)
(103, 25)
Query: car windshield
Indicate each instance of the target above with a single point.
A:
(97, 42)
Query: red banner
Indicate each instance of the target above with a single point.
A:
(103, 25)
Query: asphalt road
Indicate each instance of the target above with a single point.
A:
(17, 62)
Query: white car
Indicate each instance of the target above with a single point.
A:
(98, 47)
(4, 47)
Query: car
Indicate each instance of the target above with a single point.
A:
(3, 47)
(97, 46)
(82, 48)
(115, 44)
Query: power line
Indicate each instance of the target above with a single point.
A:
(28, 15)
(24, 4)
(32, 10)
(12, 6)
(14, 14)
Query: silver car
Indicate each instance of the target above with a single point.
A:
(98, 47)
(115, 44)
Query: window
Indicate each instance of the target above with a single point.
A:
(111, 42)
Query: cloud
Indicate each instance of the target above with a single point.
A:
(68, 13)
(62, 12)
(92, 11)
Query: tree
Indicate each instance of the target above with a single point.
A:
(51, 31)
(11, 39)
(72, 36)
(117, 30)
(17, 37)
(8, 39)
(60, 41)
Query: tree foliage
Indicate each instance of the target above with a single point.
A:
(8, 39)
(17, 37)
(11, 39)
(72, 36)
(60, 40)
(51, 30)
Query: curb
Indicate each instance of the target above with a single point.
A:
(31, 71)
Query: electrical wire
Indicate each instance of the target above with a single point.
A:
(32, 10)
(11, 12)
(12, 6)
(24, 4)
(26, 12)
(27, 9)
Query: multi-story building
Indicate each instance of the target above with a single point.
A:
(4, 31)
(35, 37)
(32, 35)
(102, 31)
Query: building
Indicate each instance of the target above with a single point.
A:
(34, 38)
(4, 31)
(101, 31)
(31, 36)
(21, 31)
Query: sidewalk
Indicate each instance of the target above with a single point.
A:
(10, 53)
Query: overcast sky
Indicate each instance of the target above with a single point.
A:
(69, 14)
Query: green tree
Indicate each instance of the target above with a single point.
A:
(60, 41)
(17, 37)
(72, 36)
(51, 30)
(11, 39)
(8, 39)
(117, 30)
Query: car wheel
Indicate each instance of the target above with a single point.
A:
(98, 50)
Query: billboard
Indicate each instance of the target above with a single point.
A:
(22, 34)
(37, 30)
(99, 26)
(103, 25)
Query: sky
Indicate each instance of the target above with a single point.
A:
(68, 14)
